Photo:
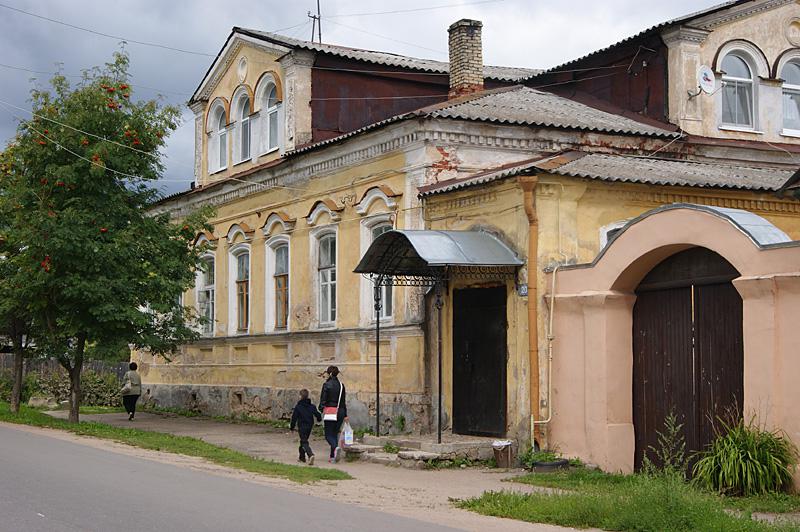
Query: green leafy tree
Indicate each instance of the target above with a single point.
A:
(94, 267)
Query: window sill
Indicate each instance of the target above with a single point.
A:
(271, 150)
(330, 325)
(793, 133)
(740, 129)
(217, 171)
(237, 163)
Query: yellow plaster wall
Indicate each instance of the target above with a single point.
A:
(294, 358)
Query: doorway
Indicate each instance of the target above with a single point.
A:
(688, 351)
(479, 361)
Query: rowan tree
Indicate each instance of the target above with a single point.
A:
(96, 266)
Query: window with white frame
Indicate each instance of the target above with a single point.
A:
(791, 95)
(326, 274)
(218, 140)
(242, 270)
(738, 91)
(269, 113)
(281, 286)
(244, 129)
(386, 295)
(205, 294)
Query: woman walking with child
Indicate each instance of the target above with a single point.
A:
(333, 405)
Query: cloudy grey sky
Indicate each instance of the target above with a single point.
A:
(528, 33)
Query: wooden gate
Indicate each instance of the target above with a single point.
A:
(688, 350)
(479, 361)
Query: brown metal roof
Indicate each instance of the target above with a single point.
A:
(630, 169)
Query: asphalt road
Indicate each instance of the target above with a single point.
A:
(48, 484)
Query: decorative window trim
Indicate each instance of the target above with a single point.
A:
(270, 247)
(757, 64)
(758, 61)
(233, 317)
(280, 218)
(378, 193)
(240, 119)
(316, 234)
(201, 287)
(792, 54)
(324, 206)
(205, 238)
(236, 229)
(367, 298)
(218, 109)
(265, 82)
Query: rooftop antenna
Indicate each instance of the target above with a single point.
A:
(316, 24)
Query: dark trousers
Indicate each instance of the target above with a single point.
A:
(305, 448)
(129, 401)
(332, 434)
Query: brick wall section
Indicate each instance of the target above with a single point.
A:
(466, 57)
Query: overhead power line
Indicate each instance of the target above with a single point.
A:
(399, 11)
(78, 76)
(103, 34)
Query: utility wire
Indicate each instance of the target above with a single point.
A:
(431, 8)
(387, 38)
(78, 76)
(108, 35)
(99, 137)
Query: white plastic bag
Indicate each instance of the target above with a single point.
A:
(347, 430)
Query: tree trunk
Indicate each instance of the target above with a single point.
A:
(16, 390)
(74, 392)
(75, 379)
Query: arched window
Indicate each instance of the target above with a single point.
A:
(326, 272)
(217, 139)
(791, 95)
(281, 281)
(270, 110)
(386, 296)
(244, 128)
(239, 275)
(738, 94)
(206, 294)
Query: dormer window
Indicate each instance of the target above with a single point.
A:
(738, 101)
(791, 96)
(217, 138)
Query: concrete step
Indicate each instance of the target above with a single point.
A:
(400, 442)
(359, 448)
(381, 458)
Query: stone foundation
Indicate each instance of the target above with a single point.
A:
(400, 413)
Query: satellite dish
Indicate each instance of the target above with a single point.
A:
(706, 80)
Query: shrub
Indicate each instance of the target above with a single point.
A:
(7, 385)
(530, 456)
(746, 459)
(97, 389)
(670, 455)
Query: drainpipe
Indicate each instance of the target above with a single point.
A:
(528, 185)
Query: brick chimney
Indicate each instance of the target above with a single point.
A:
(466, 57)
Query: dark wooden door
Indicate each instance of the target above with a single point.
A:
(479, 361)
(687, 349)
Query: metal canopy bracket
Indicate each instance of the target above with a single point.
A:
(430, 259)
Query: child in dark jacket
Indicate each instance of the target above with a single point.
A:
(303, 417)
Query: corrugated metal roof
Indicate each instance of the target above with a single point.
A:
(517, 105)
(416, 252)
(500, 73)
(672, 172)
(526, 106)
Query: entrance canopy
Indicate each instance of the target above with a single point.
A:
(437, 255)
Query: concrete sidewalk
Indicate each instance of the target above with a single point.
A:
(422, 495)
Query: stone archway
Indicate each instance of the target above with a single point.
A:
(593, 349)
(687, 350)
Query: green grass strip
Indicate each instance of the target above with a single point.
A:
(185, 445)
(617, 502)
